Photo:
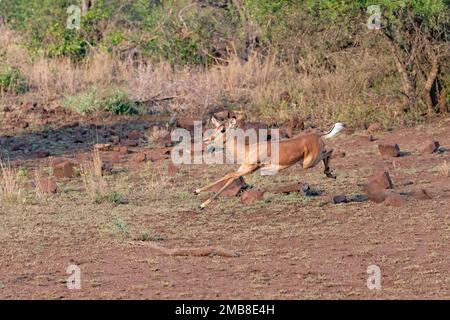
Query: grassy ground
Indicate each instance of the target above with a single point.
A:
(291, 246)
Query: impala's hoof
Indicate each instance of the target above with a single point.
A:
(201, 207)
(330, 175)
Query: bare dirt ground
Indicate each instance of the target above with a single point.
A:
(291, 246)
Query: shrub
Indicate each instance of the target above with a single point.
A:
(119, 102)
(12, 80)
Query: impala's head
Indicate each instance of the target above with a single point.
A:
(217, 139)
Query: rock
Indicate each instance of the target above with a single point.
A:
(63, 170)
(172, 169)
(251, 196)
(156, 155)
(383, 179)
(115, 140)
(134, 135)
(43, 154)
(115, 157)
(375, 192)
(139, 157)
(103, 147)
(421, 194)
(78, 137)
(430, 147)
(338, 155)
(121, 150)
(389, 150)
(107, 167)
(375, 127)
(395, 200)
(130, 143)
(340, 199)
(47, 186)
(232, 190)
(295, 187)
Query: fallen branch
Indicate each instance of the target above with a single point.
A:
(192, 252)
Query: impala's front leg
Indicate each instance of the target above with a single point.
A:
(326, 156)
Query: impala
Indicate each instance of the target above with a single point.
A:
(307, 148)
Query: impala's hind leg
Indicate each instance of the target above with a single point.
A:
(326, 157)
(242, 171)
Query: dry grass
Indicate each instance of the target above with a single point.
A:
(10, 189)
(444, 169)
(94, 183)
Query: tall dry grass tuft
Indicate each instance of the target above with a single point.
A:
(444, 169)
(94, 182)
(10, 189)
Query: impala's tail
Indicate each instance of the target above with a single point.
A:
(334, 130)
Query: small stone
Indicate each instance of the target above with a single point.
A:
(134, 135)
(115, 140)
(389, 150)
(395, 200)
(375, 192)
(375, 127)
(139, 157)
(63, 170)
(43, 154)
(430, 147)
(103, 147)
(338, 155)
(251, 196)
(421, 194)
(340, 199)
(383, 179)
(121, 150)
(47, 186)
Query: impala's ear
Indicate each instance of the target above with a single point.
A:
(215, 122)
(233, 122)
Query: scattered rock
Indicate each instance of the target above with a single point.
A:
(121, 150)
(130, 143)
(375, 192)
(232, 190)
(375, 127)
(107, 167)
(47, 186)
(63, 170)
(430, 147)
(251, 196)
(389, 150)
(395, 200)
(338, 155)
(139, 157)
(115, 157)
(383, 179)
(295, 187)
(421, 194)
(340, 199)
(156, 155)
(134, 135)
(103, 147)
(115, 140)
(172, 169)
(43, 154)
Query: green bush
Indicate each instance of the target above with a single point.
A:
(12, 80)
(119, 102)
(113, 100)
